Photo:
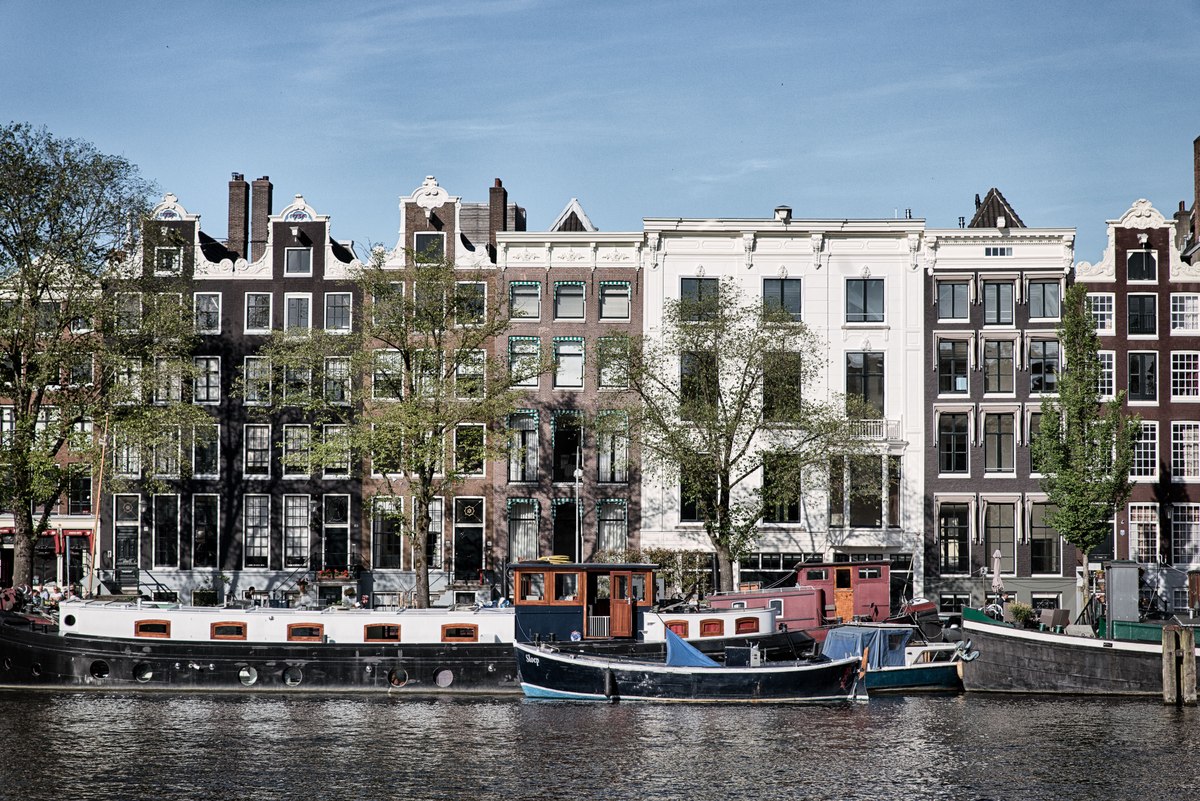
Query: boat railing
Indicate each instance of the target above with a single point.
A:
(598, 625)
(762, 590)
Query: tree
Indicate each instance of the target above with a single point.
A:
(725, 390)
(417, 390)
(80, 326)
(1084, 447)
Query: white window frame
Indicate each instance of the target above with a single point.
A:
(246, 328)
(1180, 373)
(512, 287)
(330, 430)
(160, 251)
(288, 272)
(610, 290)
(1105, 318)
(349, 296)
(1185, 535)
(289, 470)
(571, 342)
(262, 542)
(1145, 530)
(471, 323)
(290, 558)
(1185, 313)
(559, 286)
(1106, 380)
(196, 296)
(256, 429)
(1185, 451)
(204, 373)
(217, 554)
(288, 297)
(395, 371)
(343, 363)
(199, 473)
(483, 461)
(250, 366)
(1144, 458)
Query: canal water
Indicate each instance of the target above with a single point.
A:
(65, 745)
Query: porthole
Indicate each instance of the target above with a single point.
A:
(293, 676)
(444, 678)
(247, 675)
(143, 672)
(36, 669)
(397, 677)
(99, 669)
(69, 620)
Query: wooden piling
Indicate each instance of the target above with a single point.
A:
(1187, 668)
(1170, 648)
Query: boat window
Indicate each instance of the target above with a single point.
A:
(381, 632)
(152, 628)
(639, 587)
(776, 604)
(746, 625)
(227, 631)
(815, 575)
(869, 573)
(305, 632)
(712, 628)
(461, 632)
(680, 627)
(843, 579)
(739, 604)
(566, 586)
(533, 586)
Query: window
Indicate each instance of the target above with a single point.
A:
(953, 440)
(952, 602)
(990, 251)
(864, 300)
(522, 529)
(207, 311)
(998, 366)
(1185, 535)
(429, 247)
(337, 312)
(954, 526)
(128, 312)
(1043, 365)
(568, 300)
(782, 295)
(434, 536)
(952, 366)
(297, 261)
(525, 300)
(1143, 531)
(568, 362)
(864, 378)
(1045, 546)
(80, 370)
(781, 499)
(614, 300)
(612, 447)
(152, 628)
(470, 302)
(206, 450)
(257, 457)
(566, 436)
(256, 380)
(782, 378)
(337, 461)
(388, 376)
(1143, 376)
(469, 449)
(998, 443)
(305, 632)
(1000, 533)
(524, 356)
(205, 512)
(297, 386)
(857, 491)
(523, 447)
(1103, 305)
(699, 383)
(337, 380)
(460, 632)
(79, 492)
(952, 300)
(256, 530)
(166, 454)
(426, 373)
(297, 450)
(1106, 379)
(258, 312)
(296, 526)
(335, 549)
(696, 499)
(1185, 451)
(127, 459)
(1142, 316)
(1144, 462)
(297, 312)
(1142, 265)
(168, 260)
(698, 298)
(470, 373)
(166, 530)
(1045, 300)
(386, 516)
(381, 632)
(227, 631)
(614, 363)
(1185, 311)
(997, 303)
(128, 379)
(168, 381)
(206, 386)
(1185, 374)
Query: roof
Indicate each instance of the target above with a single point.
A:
(573, 218)
(992, 209)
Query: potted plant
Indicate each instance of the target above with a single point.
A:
(1022, 614)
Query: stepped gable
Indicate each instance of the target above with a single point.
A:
(991, 209)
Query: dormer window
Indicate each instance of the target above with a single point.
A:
(1142, 266)
(429, 248)
(167, 260)
(297, 262)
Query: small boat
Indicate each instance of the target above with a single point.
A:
(686, 675)
(896, 659)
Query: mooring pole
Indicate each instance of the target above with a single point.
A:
(1187, 673)
(1170, 648)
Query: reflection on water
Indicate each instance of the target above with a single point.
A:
(235, 748)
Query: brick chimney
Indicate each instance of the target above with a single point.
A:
(497, 214)
(239, 215)
(260, 213)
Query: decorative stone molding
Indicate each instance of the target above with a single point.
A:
(1068, 245)
(430, 195)
(226, 268)
(299, 211)
(818, 244)
(169, 209)
(1141, 215)
(914, 247)
(748, 245)
(931, 246)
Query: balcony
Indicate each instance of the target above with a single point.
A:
(876, 430)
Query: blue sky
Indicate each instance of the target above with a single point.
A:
(639, 109)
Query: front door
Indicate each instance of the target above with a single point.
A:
(843, 594)
(126, 557)
(621, 605)
(565, 531)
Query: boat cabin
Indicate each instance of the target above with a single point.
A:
(570, 601)
(825, 593)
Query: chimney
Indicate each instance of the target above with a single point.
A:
(260, 213)
(497, 214)
(239, 215)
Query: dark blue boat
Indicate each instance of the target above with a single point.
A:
(894, 661)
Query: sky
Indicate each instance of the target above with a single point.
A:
(639, 109)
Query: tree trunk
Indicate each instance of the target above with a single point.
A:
(24, 541)
(724, 569)
(420, 564)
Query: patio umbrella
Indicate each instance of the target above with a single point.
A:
(997, 582)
